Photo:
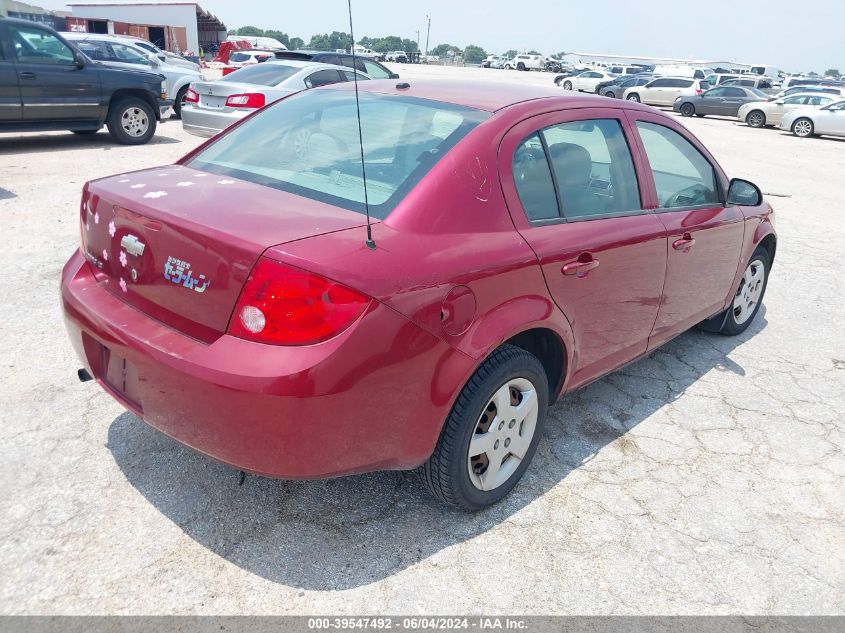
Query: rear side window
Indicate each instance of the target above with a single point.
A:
(659, 83)
(533, 180)
(262, 74)
(681, 83)
(375, 71)
(682, 175)
(323, 78)
(592, 172)
(308, 145)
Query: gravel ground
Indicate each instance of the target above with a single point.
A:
(706, 478)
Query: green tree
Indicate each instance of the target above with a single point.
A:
(409, 46)
(253, 31)
(296, 42)
(833, 72)
(533, 52)
(812, 74)
(511, 53)
(442, 49)
(474, 54)
(330, 41)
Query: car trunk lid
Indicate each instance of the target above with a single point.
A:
(178, 243)
(213, 94)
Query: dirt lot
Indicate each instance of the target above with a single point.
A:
(706, 478)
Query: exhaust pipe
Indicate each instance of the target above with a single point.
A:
(83, 375)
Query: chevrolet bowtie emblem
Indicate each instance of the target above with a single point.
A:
(132, 245)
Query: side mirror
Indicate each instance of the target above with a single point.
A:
(154, 60)
(79, 60)
(394, 76)
(744, 193)
(779, 102)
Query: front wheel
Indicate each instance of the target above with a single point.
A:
(755, 119)
(567, 85)
(633, 97)
(131, 121)
(687, 109)
(520, 66)
(492, 432)
(610, 94)
(749, 295)
(802, 127)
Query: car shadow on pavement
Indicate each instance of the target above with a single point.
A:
(30, 144)
(344, 533)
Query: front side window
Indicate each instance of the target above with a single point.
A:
(308, 145)
(733, 92)
(715, 92)
(34, 46)
(682, 175)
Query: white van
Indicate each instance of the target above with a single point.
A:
(524, 61)
(768, 71)
(673, 70)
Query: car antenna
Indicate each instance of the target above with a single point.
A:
(370, 243)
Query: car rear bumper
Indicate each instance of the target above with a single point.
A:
(372, 398)
(209, 122)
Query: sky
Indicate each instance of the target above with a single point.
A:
(806, 35)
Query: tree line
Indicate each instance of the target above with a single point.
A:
(471, 54)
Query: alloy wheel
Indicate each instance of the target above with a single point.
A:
(755, 119)
(749, 292)
(503, 434)
(802, 127)
(135, 121)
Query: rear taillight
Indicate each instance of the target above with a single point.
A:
(228, 70)
(281, 305)
(251, 100)
(191, 96)
(699, 91)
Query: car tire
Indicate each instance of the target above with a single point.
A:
(179, 101)
(131, 121)
(567, 85)
(803, 127)
(520, 66)
(700, 115)
(749, 295)
(687, 109)
(756, 118)
(633, 97)
(457, 477)
(610, 94)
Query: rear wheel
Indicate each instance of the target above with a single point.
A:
(755, 118)
(749, 295)
(491, 433)
(131, 121)
(687, 109)
(802, 127)
(633, 97)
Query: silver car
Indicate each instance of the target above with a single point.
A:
(808, 121)
(211, 107)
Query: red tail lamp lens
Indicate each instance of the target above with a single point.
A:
(252, 100)
(281, 305)
(191, 96)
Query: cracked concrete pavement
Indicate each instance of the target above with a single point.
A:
(704, 479)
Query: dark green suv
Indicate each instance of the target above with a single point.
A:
(47, 84)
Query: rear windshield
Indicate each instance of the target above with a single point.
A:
(262, 74)
(308, 145)
(240, 57)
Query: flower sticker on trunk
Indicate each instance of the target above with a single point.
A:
(112, 228)
(105, 255)
(96, 218)
(123, 260)
(122, 284)
(155, 194)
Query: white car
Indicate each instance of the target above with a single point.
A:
(174, 59)
(526, 62)
(828, 120)
(399, 57)
(763, 113)
(587, 81)
(239, 59)
(212, 106)
(663, 91)
(115, 51)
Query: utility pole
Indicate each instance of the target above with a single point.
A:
(427, 33)
(418, 39)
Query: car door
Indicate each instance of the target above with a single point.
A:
(782, 106)
(830, 120)
(570, 182)
(687, 192)
(711, 102)
(53, 87)
(10, 93)
(651, 92)
(732, 99)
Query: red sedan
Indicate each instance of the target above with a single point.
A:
(525, 244)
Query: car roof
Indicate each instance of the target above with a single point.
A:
(301, 63)
(487, 95)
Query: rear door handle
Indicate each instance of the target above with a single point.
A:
(26, 74)
(684, 243)
(580, 268)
